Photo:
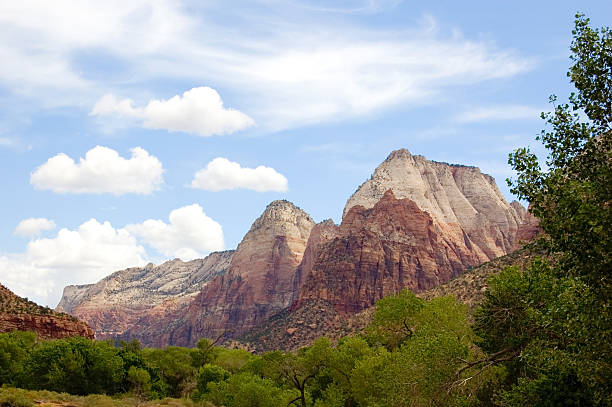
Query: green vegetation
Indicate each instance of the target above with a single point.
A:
(410, 354)
(551, 327)
(539, 337)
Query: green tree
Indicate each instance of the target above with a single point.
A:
(247, 390)
(74, 365)
(210, 374)
(139, 380)
(553, 323)
(14, 349)
(424, 346)
(173, 369)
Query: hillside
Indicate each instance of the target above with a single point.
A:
(17, 313)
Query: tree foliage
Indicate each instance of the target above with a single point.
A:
(551, 326)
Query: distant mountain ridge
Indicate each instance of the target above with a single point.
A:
(414, 224)
(116, 302)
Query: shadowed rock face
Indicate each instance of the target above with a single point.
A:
(258, 284)
(19, 314)
(116, 303)
(379, 251)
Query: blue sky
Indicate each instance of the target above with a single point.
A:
(124, 123)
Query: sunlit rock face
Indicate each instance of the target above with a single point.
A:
(118, 302)
(259, 282)
(415, 224)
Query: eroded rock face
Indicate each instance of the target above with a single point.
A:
(19, 314)
(258, 284)
(458, 198)
(380, 251)
(115, 304)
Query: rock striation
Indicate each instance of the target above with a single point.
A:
(414, 224)
(461, 199)
(20, 314)
(116, 303)
(259, 282)
(381, 250)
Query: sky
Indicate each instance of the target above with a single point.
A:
(137, 131)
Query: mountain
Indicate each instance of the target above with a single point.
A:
(289, 331)
(117, 302)
(257, 285)
(460, 199)
(414, 224)
(17, 313)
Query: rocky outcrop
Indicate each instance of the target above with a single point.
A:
(115, 304)
(380, 251)
(459, 198)
(19, 314)
(321, 233)
(258, 284)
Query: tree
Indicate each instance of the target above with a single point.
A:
(553, 321)
(14, 349)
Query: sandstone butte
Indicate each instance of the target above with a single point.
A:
(415, 223)
(18, 313)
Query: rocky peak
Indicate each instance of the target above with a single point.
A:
(455, 195)
(281, 215)
(259, 281)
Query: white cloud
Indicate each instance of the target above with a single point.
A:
(288, 74)
(80, 256)
(222, 173)
(499, 113)
(5, 142)
(33, 226)
(190, 233)
(95, 249)
(101, 171)
(198, 111)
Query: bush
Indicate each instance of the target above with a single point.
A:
(14, 398)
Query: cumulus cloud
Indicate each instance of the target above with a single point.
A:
(84, 255)
(189, 235)
(101, 171)
(33, 226)
(499, 113)
(199, 111)
(95, 249)
(222, 173)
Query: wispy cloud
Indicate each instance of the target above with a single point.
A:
(286, 74)
(499, 113)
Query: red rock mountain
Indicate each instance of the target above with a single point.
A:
(416, 223)
(19, 314)
(257, 285)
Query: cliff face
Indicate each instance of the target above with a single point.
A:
(115, 304)
(458, 198)
(18, 313)
(415, 224)
(258, 284)
(381, 250)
